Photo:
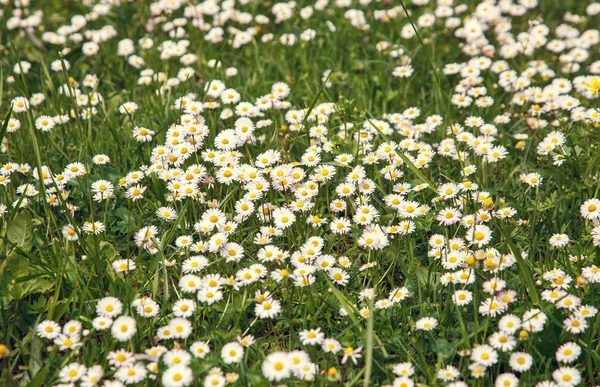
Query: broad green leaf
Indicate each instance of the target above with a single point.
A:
(19, 231)
(444, 348)
(16, 266)
(108, 251)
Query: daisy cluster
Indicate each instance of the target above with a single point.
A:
(226, 230)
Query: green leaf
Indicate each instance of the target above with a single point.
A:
(7, 381)
(420, 274)
(39, 378)
(19, 231)
(108, 251)
(61, 308)
(35, 362)
(369, 345)
(40, 305)
(444, 348)
(523, 266)
(5, 125)
(16, 266)
(33, 287)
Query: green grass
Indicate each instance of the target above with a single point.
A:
(48, 275)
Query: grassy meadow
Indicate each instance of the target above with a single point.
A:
(306, 193)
